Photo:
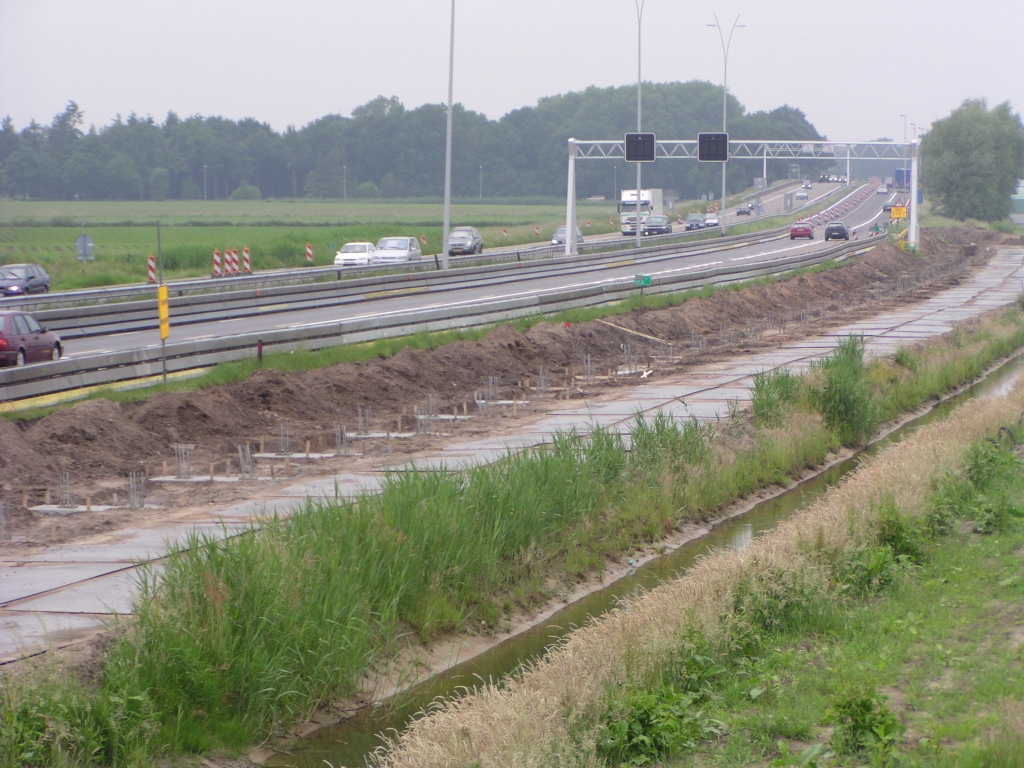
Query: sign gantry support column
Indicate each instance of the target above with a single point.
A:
(912, 230)
(570, 204)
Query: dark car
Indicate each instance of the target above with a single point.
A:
(22, 279)
(694, 221)
(465, 240)
(742, 209)
(837, 231)
(801, 229)
(23, 340)
(656, 225)
(559, 237)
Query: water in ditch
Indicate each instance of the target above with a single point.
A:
(348, 743)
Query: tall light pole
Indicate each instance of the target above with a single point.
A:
(726, 43)
(344, 182)
(204, 182)
(481, 190)
(904, 149)
(448, 148)
(639, 25)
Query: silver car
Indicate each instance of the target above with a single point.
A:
(395, 250)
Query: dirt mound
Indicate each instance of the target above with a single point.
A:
(20, 462)
(94, 438)
(101, 440)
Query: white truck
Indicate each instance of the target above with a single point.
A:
(651, 202)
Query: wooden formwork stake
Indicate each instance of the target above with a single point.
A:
(320, 440)
(307, 449)
(24, 499)
(165, 468)
(261, 443)
(465, 411)
(88, 504)
(273, 472)
(399, 422)
(514, 404)
(227, 467)
(287, 465)
(211, 471)
(46, 497)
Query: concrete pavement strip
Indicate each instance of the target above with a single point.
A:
(64, 593)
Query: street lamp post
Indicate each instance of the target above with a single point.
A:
(904, 141)
(639, 25)
(480, 193)
(448, 148)
(204, 182)
(344, 182)
(726, 44)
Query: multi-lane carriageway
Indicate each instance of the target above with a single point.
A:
(532, 278)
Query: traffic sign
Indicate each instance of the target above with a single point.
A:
(640, 147)
(712, 147)
(161, 302)
(898, 212)
(85, 246)
(642, 281)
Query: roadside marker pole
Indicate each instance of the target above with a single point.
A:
(246, 261)
(162, 310)
(216, 263)
(234, 261)
(309, 253)
(151, 268)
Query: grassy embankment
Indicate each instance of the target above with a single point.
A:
(244, 635)
(882, 626)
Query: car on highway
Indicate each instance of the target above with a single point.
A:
(465, 240)
(23, 279)
(837, 231)
(882, 190)
(823, 178)
(805, 184)
(656, 225)
(801, 229)
(23, 340)
(395, 250)
(711, 220)
(887, 206)
(694, 221)
(801, 194)
(743, 209)
(833, 179)
(559, 237)
(354, 255)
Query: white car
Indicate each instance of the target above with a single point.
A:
(354, 255)
(801, 194)
(395, 250)
(711, 220)
(882, 190)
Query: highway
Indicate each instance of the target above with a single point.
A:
(532, 278)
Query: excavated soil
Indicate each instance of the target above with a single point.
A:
(99, 442)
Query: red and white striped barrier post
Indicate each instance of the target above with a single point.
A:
(234, 261)
(151, 268)
(309, 253)
(536, 231)
(855, 234)
(216, 263)
(246, 261)
(504, 232)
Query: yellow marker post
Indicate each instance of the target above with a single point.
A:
(161, 300)
(161, 304)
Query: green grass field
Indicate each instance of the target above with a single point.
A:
(276, 232)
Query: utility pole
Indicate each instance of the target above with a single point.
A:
(448, 148)
(639, 27)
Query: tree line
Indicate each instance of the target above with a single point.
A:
(382, 150)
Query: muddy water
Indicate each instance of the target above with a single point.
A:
(348, 744)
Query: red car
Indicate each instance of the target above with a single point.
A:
(23, 340)
(801, 229)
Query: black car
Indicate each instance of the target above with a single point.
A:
(742, 209)
(694, 221)
(22, 279)
(465, 240)
(837, 231)
(656, 225)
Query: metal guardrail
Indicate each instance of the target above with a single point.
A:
(120, 294)
(67, 374)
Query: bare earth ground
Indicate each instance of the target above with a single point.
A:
(99, 441)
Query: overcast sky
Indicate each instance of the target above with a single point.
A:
(852, 66)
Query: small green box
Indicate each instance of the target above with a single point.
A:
(642, 281)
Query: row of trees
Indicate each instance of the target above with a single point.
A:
(382, 149)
